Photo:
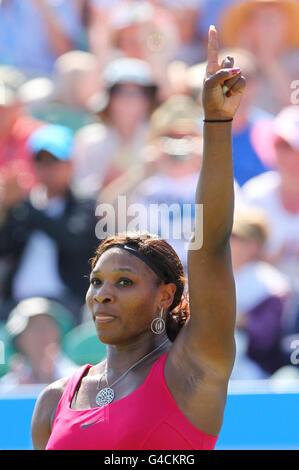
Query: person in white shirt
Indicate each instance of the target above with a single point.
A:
(262, 294)
(277, 192)
(47, 236)
(103, 151)
(35, 332)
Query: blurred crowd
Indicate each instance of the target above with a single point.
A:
(101, 99)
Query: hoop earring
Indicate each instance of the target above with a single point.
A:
(158, 324)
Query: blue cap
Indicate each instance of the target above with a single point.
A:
(55, 139)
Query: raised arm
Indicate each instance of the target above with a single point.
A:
(209, 335)
(58, 39)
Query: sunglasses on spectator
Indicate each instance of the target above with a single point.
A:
(134, 92)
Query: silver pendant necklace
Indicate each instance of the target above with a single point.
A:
(106, 395)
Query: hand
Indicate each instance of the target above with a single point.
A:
(11, 189)
(218, 103)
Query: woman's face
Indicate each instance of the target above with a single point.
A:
(129, 96)
(41, 332)
(54, 174)
(124, 296)
(243, 251)
(181, 154)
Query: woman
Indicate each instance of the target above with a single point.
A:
(104, 150)
(161, 392)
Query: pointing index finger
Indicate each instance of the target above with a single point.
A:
(213, 48)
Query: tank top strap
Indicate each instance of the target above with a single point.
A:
(73, 382)
(157, 371)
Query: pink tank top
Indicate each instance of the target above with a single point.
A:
(146, 419)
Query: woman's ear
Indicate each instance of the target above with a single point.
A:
(167, 295)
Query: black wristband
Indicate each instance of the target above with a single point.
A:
(216, 120)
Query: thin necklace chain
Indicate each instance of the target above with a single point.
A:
(132, 367)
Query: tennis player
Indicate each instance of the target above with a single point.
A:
(164, 382)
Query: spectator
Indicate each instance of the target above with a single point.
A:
(277, 191)
(15, 128)
(261, 295)
(74, 80)
(186, 14)
(63, 98)
(136, 29)
(44, 101)
(268, 29)
(34, 328)
(49, 236)
(34, 33)
(77, 78)
(103, 153)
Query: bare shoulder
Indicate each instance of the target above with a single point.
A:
(44, 412)
(52, 393)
